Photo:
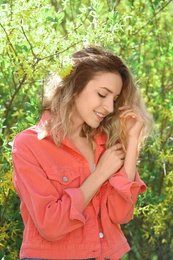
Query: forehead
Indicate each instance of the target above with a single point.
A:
(108, 81)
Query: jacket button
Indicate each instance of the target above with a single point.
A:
(107, 258)
(65, 179)
(101, 235)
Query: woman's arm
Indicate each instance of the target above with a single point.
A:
(134, 124)
(54, 213)
(131, 158)
(113, 158)
(110, 162)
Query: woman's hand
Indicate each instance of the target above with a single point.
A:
(111, 161)
(133, 121)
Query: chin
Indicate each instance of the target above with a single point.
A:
(93, 125)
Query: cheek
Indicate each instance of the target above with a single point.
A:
(82, 104)
(86, 102)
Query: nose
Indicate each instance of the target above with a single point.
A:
(108, 105)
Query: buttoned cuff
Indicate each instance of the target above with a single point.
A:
(77, 203)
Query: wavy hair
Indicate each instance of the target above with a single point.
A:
(88, 63)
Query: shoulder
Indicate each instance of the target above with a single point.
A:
(34, 134)
(25, 137)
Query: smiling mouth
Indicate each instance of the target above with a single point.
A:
(100, 116)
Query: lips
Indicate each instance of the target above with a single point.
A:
(100, 116)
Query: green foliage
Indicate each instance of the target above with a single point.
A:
(37, 37)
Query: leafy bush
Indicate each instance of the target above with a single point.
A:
(38, 37)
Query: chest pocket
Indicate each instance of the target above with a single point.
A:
(64, 177)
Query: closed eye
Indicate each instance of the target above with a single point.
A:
(100, 95)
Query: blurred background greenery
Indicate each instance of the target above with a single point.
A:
(37, 37)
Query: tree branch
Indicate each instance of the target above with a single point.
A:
(55, 54)
(11, 45)
(156, 13)
(26, 37)
(11, 101)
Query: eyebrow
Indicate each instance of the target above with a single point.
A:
(109, 91)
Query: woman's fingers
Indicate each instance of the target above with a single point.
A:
(133, 121)
(116, 147)
(118, 150)
(124, 107)
(129, 113)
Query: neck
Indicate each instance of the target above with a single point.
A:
(76, 132)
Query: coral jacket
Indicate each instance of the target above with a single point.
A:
(47, 179)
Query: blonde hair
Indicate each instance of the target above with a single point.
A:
(87, 63)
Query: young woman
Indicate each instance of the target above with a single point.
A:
(75, 171)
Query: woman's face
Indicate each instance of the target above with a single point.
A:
(97, 99)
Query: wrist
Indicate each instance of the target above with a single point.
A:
(133, 145)
(99, 176)
(133, 139)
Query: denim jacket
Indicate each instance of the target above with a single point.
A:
(47, 178)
